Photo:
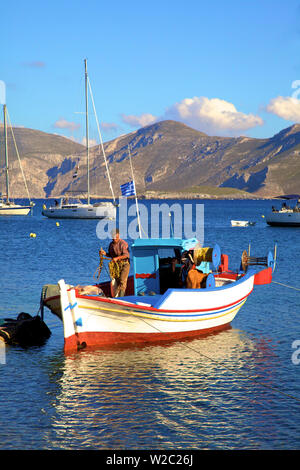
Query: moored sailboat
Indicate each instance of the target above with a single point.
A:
(7, 205)
(286, 216)
(76, 209)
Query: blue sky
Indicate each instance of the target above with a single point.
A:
(222, 67)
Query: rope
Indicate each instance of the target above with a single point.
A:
(99, 269)
(285, 285)
(273, 389)
(24, 179)
(100, 136)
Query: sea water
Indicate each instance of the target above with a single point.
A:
(237, 389)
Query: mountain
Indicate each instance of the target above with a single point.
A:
(43, 157)
(167, 157)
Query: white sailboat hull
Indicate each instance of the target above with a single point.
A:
(284, 219)
(82, 211)
(14, 209)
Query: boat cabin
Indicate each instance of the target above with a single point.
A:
(157, 263)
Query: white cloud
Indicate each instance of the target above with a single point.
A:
(138, 121)
(285, 107)
(63, 124)
(92, 142)
(35, 64)
(213, 116)
(109, 127)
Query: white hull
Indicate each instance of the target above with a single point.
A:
(14, 209)
(284, 219)
(241, 223)
(82, 211)
(91, 321)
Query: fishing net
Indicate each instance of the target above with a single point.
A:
(202, 254)
(115, 268)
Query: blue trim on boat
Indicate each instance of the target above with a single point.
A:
(159, 303)
(136, 299)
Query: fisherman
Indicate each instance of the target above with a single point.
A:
(187, 264)
(119, 253)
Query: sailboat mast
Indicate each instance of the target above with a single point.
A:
(6, 152)
(87, 132)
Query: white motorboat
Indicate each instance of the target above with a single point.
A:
(242, 223)
(76, 209)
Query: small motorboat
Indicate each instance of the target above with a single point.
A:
(157, 305)
(242, 223)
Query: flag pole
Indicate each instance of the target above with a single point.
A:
(136, 201)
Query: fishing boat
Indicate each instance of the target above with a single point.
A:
(242, 223)
(287, 215)
(157, 305)
(7, 205)
(69, 208)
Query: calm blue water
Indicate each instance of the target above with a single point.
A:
(238, 389)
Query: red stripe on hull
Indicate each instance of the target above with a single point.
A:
(89, 340)
(105, 300)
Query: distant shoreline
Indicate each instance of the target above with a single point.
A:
(174, 196)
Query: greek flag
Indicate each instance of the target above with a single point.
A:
(128, 189)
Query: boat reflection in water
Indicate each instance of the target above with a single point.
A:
(153, 396)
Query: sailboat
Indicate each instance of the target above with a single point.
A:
(8, 206)
(64, 209)
(286, 216)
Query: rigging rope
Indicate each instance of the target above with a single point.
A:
(100, 136)
(24, 179)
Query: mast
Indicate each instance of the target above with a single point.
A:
(6, 152)
(87, 132)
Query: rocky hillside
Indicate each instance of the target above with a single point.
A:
(42, 155)
(167, 157)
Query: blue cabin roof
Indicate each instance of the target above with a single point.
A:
(164, 242)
